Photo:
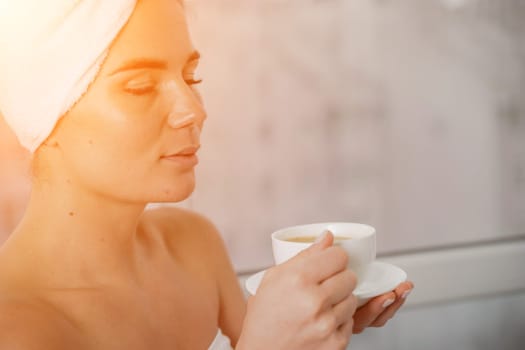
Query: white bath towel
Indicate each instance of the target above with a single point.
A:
(221, 342)
(50, 51)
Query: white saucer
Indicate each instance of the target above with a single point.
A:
(380, 278)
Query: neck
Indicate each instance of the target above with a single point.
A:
(70, 234)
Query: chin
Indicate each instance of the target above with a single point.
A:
(168, 188)
(176, 193)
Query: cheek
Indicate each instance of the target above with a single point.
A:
(110, 118)
(97, 157)
(108, 139)
(108, 136)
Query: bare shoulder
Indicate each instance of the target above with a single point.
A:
(28, 325)
(199, 236)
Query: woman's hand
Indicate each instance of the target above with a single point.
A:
(304, 303)
(379, 310)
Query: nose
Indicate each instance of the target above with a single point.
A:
(186, 110)
(178, 121)
(181, 119)
(189, 122)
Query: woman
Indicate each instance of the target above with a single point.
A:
(88, 268)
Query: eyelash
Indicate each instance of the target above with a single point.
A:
(193, 81)
(149, 89)
(141, 91)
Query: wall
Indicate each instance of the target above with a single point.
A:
(405, 114)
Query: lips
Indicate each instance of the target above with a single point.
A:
(186, 156)
(186, 151)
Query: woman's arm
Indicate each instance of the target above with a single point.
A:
(207, 242)
(232, 303)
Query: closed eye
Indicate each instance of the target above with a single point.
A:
(190, 68)
(141, 91)
(141, 85)
(193, 81)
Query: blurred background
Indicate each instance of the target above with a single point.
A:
(408, 115)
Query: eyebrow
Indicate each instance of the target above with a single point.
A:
(143, 63)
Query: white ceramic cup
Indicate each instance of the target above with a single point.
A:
(361, 247)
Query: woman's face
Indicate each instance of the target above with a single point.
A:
(122, 136)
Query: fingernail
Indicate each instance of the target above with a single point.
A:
(321, 236)
(388, 302)
(406, 294)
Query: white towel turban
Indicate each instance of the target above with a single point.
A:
(50, 51)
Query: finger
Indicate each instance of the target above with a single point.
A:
(343, 334)
(382, 319)
(339, 286)
(322, 242)
(368, 313)
(324, 264)
(344, 311)
(402, 292)
(337, 326)
(325, 240)
(403, 288)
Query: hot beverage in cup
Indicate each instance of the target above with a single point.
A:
(358, 240)
(311, 239)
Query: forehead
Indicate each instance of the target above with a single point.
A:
(156, 29)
